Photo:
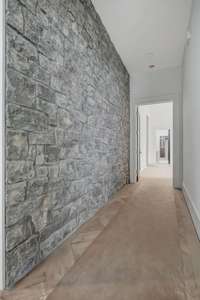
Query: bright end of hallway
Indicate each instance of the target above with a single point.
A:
(157, 171)
(155, 141)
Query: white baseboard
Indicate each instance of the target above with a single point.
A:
(193, 210)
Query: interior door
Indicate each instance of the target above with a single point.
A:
(138, 144)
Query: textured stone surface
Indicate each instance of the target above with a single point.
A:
(67, 125)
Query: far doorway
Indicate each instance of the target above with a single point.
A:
(155, 140)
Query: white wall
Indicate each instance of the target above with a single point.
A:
(158, 83)
(191, 118)
(158, 87)
(2, 158)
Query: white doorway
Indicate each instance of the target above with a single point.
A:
(155, 140)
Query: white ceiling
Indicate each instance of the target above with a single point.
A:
(146, 31)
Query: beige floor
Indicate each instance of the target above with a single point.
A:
(141, 246)
(157, 171)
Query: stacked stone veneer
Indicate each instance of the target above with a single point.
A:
(67, 125)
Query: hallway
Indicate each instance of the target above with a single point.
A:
(147, 249)
(142, 254)
(95, 95)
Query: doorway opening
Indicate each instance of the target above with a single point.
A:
(155, 140)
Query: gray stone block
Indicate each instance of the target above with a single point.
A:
(30, 4)
(41, 171)
(42, 76)
(37, 187)
(26, 119)
(62, 101)
(21, 53)
(19, 171)
(17, 145)
(46, 138)
(50, 110)
(53, 172)
(19, 233)
(52, 153)
(32, 27)
(40, 158)
(16, 193)
(45, 93)
(14, 15)
(20, 89)
(64, 119)
(22, 260)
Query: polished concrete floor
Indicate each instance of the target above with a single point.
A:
(142, 245)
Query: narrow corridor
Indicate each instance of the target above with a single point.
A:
(142, 245)
(142, 254)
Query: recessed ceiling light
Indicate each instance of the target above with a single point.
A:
(150, 54)
(151, 66)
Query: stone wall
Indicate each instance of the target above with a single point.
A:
(67, 125)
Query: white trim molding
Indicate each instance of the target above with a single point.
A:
(193, 210)
(2, 144)
(132, 133)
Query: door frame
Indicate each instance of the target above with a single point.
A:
(169, 146)
(147, 140)
(138, 143)
(2, 143)
(138, 128)
(175, 99)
